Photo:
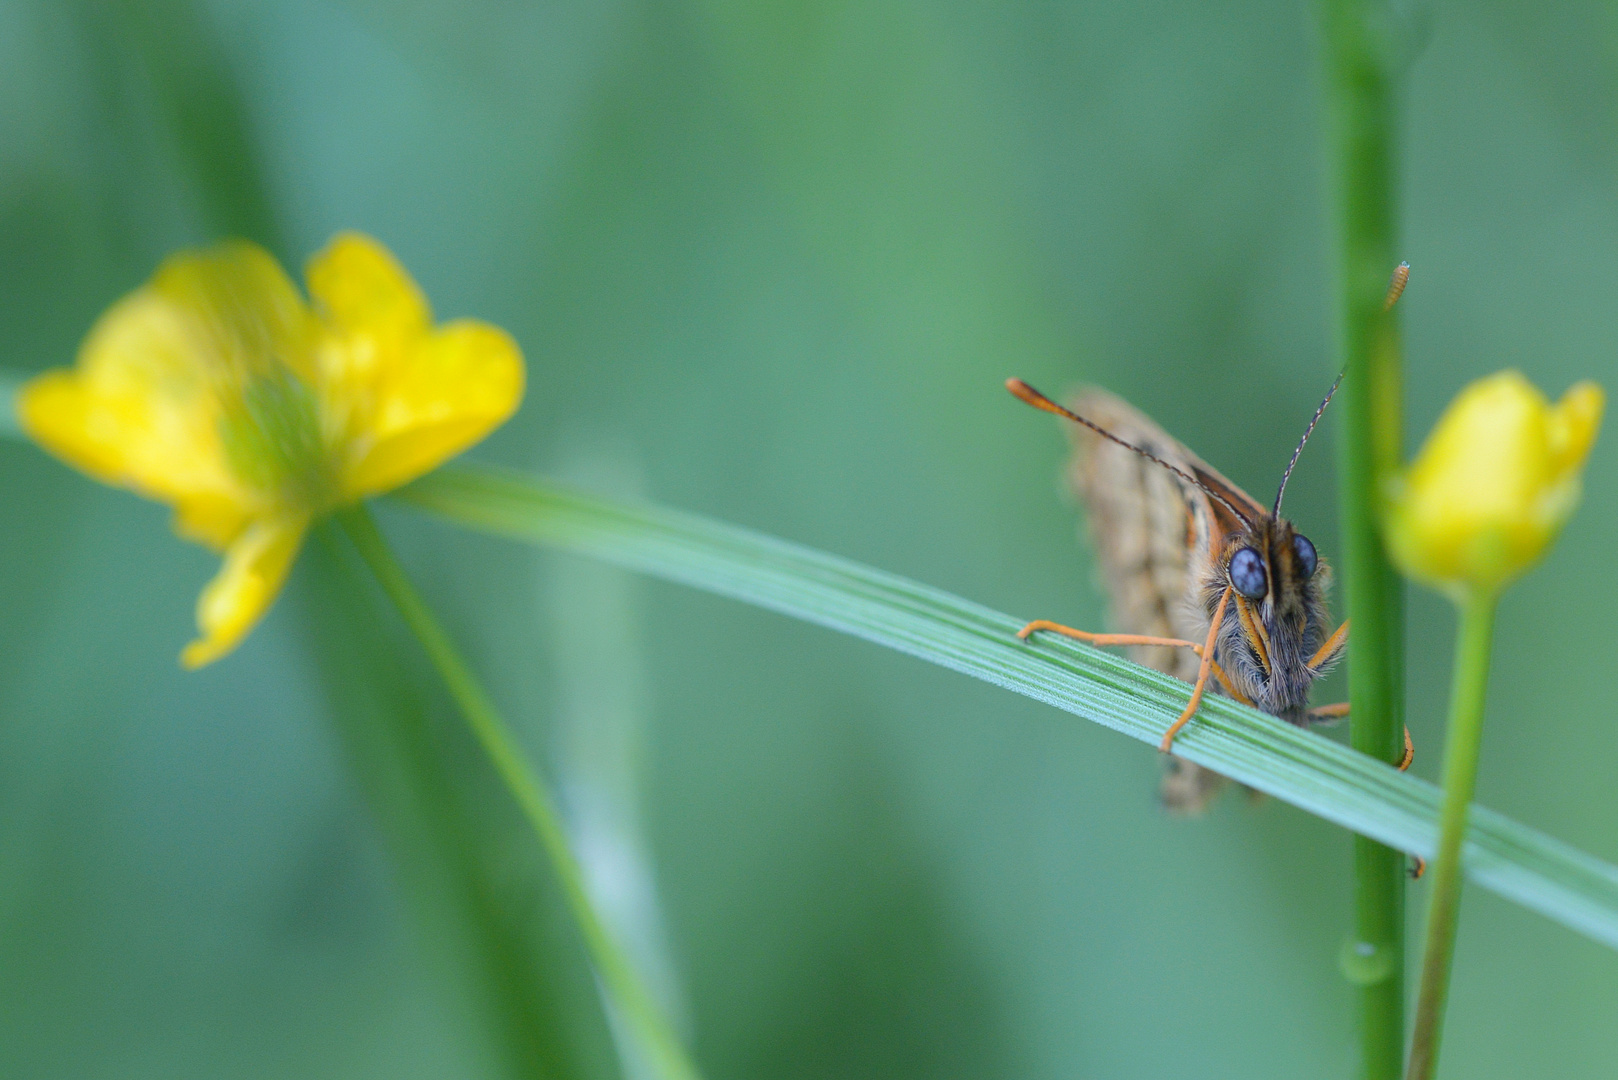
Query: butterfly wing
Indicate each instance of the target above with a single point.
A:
(1154, 534)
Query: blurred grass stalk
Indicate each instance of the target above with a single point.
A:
(1359, 61)
(482, 910)
(599, 728)
(163, 63)
(10, 383)
(632, 1004)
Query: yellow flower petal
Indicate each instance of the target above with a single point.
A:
(245, 317)
(447, 394)
(138, 410)
(237, 598)
(1574, 423)
(214, 522)
(359, 288)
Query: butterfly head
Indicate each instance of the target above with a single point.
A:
(1278, 583)
(1270, 566)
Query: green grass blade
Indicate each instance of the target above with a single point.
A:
(482, 904)
(1313, 773)
(632, 1002)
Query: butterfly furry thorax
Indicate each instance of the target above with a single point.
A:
(1170, 542)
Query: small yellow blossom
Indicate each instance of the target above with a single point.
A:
(1493, 485)
(217, 389)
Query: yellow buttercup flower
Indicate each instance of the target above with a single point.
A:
(1493, 485)
(217, 389)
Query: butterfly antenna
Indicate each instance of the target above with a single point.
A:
(1310, 430)
(1028, 394)
(1396, 288)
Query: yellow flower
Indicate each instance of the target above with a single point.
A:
(215, 388)
(1495, 482)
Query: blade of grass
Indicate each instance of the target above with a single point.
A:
(164, 85)
(1311, 772)
(481, 908)
(631, 1000)
(1361, 114)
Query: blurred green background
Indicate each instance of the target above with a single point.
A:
(770, 262)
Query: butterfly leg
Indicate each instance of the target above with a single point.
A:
(1224, 680)
(1138, 639)
(1409, 756)
(1202, 673)
(1205, 651)
(1102, 639)
(1338, 711)
(1332, 650)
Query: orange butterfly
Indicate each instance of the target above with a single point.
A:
(1204, 580)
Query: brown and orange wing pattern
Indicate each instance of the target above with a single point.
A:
(1154, 535)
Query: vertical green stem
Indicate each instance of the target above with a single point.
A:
(470, 903)
(635, 1004)
(1359, 97)
(1460, 778)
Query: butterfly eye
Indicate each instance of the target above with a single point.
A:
(1247, 574)
(1305, 551)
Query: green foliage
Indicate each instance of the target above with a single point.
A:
(476, 902)
(772, 262)
(626, 993)
(1360, 61)
(1262, 752)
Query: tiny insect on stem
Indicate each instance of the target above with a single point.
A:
(1396, 287)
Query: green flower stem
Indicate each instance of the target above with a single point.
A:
(1460, 778)
(1362, 124)
(634, 1003)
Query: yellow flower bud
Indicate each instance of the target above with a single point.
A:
(218, 389)
(1493, 485)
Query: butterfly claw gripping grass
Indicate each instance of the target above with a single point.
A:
(218, 389)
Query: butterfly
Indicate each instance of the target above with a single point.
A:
(1205, 582)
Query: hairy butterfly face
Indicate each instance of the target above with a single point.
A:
(1273, 574)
